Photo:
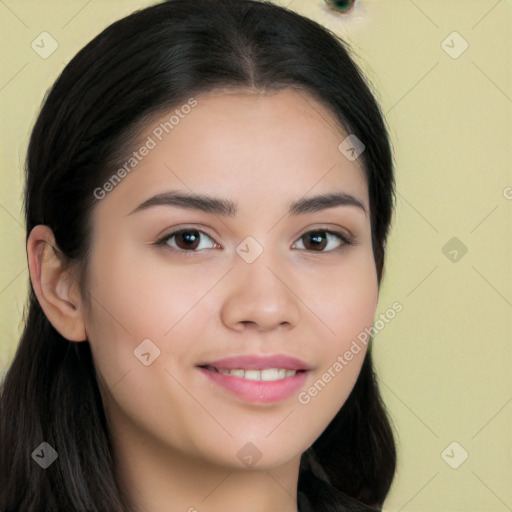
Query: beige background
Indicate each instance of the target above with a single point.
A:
(444, 362)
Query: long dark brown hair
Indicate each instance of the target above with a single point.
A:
(141, 65)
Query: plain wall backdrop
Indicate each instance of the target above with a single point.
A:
(441, 71)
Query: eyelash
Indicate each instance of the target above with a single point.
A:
(345, 240)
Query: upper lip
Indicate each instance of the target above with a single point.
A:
(258, 362)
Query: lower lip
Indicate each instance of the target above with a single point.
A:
(257, 390)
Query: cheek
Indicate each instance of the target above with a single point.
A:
(128, 304)
(344, 297)
(345, 301)
(142, 295)
(135, 299)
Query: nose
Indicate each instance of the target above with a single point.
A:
(260, 297)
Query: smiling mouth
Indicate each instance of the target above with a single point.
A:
(263, 374)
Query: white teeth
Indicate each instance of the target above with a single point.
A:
(267, 375)
(270, 374)
(252, 374)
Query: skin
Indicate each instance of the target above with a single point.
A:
(175, 434)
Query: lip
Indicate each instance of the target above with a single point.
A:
(258, 391)
(259, 362)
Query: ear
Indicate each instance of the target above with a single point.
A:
(54, 285)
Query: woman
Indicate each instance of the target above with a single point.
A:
(209, 191)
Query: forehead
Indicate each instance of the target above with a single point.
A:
(243, 145)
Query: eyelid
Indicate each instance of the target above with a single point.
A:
(185, 227)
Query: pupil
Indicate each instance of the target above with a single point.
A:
(317, 237)
(190, 237)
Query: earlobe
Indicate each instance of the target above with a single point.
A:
(54, 285)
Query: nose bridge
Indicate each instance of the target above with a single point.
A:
(260, 293)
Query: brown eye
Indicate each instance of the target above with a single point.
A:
(185, 240)
(318, 240)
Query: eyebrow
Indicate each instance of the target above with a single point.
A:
(227, 208)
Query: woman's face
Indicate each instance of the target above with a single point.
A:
(245, 278)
